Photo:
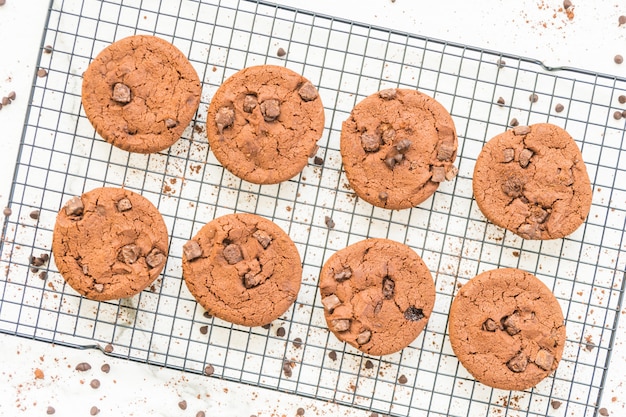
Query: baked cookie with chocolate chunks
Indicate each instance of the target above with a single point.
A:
(377, 295)
(397, 146)
(109, 243)
(264, 122)
(507, 329)
(140, 93)
(243, 269)
(532, 180)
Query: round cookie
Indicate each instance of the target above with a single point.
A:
(532, 181)
(140, 93)
(109, 243)
(506, 328)
(397, 146)
(263, 123)
(243, 269)
(377, 295)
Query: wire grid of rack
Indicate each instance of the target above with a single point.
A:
(61, 156)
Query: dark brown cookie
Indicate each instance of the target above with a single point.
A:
(263, 123)
(506, 327)
(532, 181)
(243, 269)
(377, 295)
(109, 243)
(397, 146)
(140, 93)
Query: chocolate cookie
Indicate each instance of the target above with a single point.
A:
(243, 269)
(140, 93)
(109, 243)
(263, 123)
(377, 295)
(397, 146)
(532, 181)
(506, 327)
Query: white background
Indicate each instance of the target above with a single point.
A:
(533, 28)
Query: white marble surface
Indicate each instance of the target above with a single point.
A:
(534, 28)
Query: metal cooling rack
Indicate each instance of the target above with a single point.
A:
(61, 156)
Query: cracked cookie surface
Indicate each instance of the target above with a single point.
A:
(507, 329)
(243, 269)
(109, 243)
(377, 295)
(532, 181)
(140, 93)
(263, 123)
(397, 146)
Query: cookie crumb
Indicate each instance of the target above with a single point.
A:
(38, 374)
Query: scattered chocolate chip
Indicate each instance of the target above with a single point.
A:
(6, 101)
(34, 215)
(207, 315)
(559, 108)
(388, 94)
(287, 368)
(544, 360)
(121, 93)
(108, 348)
(297, 343)
(155, 258)
(36, 261)
(370, 142)
(170, 123)
(200, 414)
(209, 369)
(500, 101)
(513, 122)
(330, 302)
(12, 95)
(521, 130)
(105, 368)
(490, 325)
(622, 99)
(555, 404)
(43, 275)
(318, 160)
(83, 366)
(621, 20)
(267, 326)
(308, 92)
(603, 412)
(270, 109)
(533, 98)
(501, 63)
(364, 337)
(403, 379)
(95, 384)
(300, 411)
(34, 270)
(281, 52)
(413, 314)
(192, 250)
(624, 113)
(329, 222)
(524, 157)
(332, 355)
(280, 332)
(340, 325)
(438, 174)
(567, 4)
(50, 410)
(7, 211)
(182, 405)
(249, 103)
(369, 364)
(41, 73)
(618, 59)
(518, 363)
(388, 288)
(225, 117)
(129, 254)
(617, 115)
(47, 49)
(204, 329)
(232, 254)
(94, 411)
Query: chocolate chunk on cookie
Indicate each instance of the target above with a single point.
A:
(243, 268)
(397, 146)
(140, 93)
(109, 243)
(377, 295)
(532, 181)
(507, 329)
(263, 123)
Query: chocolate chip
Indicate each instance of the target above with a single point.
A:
(544, 360)
(559, 108)
(95, 384)
(155, 258)
(490, 325)
(200, 414)
(249, 103)
(251, 280)
(287, 368)
(369, 364)
(555, 404)
(403, 379)
(603, 412)
(438, 174)
(182, 405)
(383, 196)
(617, 115)
(47, 49)
(108, 348)
(622, 99)
(452, 173)
(170, 123)
(393, 158)
(508, 154)
(513, 122)
(41, 73)
(308, 92)
(413, 314)
(43, 275)
(74, 207)
(518, 363)
(388, 94)
(6, 101)
(192, 250)
(343, 275)
(521, 130)
(94, 411)
(332, 355)
(318, 161)
(567, 4)
(280, 332)
(7, 211)
(513, 187)
(50, 410)
(370, 142)
(329, 222)
(297, 343)
(621, 20)
(34, 215)
(204, 329)
(538, 214)
(232, 254)
(624, 113)
(129, 254)
(121, 93)
(83, 366)
(533, 98)
(263, 238)
(209, 369)
(270, 109)
(36, 261)
(364, 337)
(281, 52)
(12, 95)
(524, 157)
(98, 287)
(618, 59)
(330, 302)
(500, 101)
(501, 63)
(225, 117)
(124, 205)
(300, 411)
(403, 145)
(388, 288)
(340, 325)
(529, 231)
(105, 368)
